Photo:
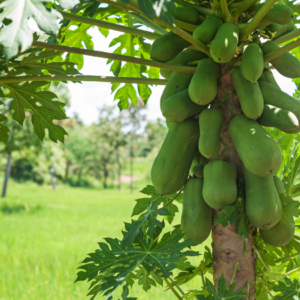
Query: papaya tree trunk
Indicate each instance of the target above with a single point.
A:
(227, 246)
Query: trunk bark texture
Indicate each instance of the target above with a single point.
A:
(7, 174)
(227, 245)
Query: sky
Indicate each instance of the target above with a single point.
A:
(87, 98)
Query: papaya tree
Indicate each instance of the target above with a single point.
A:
(230, 156)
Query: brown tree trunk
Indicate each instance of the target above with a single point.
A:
(227, 245)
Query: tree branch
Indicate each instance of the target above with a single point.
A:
(286, 37)
(148, 23)
(282, 50)
(226, 16)
(90, 78)
(135, 60)
(256, 19)
(116, 27)
(202, 10)
(172, 289)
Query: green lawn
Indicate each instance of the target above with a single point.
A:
(41, 246)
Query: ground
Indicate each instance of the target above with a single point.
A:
(44, 234)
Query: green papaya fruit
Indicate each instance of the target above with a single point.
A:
(286, 64)
(177, 83)
(252, 65)
(171, 167)
(263, 205)
(268, 77)
(279, 185)
(184, 57)
(196, 218)
(167, 47)
(279, 14)
(260, 154)
(204, 84)
(279, 30)
(280, 234)
(223, 46)
(206, 32)
(220, 188)
(279, 118)
(278, 98)
(250, 96)
(210, 122)
(185, 14)
(198, 170)
(180, 107)
(198, 159)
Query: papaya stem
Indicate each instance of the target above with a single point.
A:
(256, 19)
(135, 60)
(282, 50)
(286, 37)
(288, 257)
(184, 25)
(172, 289)
(266, 289)
(262, 261)
(148, 23)
(226, 16)
(93, 78)
(202, 10)
(203, 281)
(174, 197)
(116, 27)
(291, 272)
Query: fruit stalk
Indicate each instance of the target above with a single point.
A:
(227, 245)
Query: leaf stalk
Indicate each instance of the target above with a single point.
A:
(90, 78)
(116, 27)
(256, 19)
(288, 257)
(172, 289)
(286, 37)
(135, 60)
(270, 56)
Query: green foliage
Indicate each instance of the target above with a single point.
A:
(17, 34)
(140, 255)
(288, 289)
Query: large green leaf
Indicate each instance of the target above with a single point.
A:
(290, 290)
(17, 34)
(44, 109)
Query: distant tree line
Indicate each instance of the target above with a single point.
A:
(94, 153)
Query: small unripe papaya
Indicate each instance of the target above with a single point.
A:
(185, 14)
(223, 46)
(210, 121)
(204, 84)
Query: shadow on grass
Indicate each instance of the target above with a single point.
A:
(16, 208)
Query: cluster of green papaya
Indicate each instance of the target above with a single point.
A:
(197, 125)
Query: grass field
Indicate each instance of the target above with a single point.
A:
(42, 245)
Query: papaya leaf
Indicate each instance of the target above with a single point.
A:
(289, 290)
(17, 34)
(157, 8)
(110, 265)
(223, 293)
(68, 4)
(3, 130)
(149, 190)
(44, 109)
